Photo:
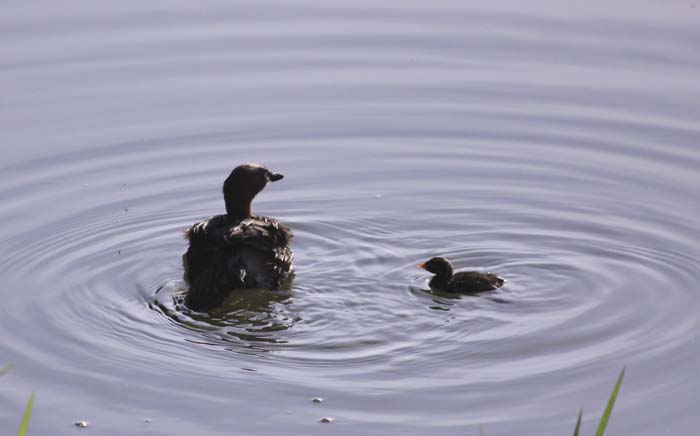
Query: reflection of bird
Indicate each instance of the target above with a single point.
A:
(236, 250)
(466, 282)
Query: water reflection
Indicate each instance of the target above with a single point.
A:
(445, 301)
(248, 318)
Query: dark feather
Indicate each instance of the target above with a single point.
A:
(473, 281)
(229, 254)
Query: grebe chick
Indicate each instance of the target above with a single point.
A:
(468, 282)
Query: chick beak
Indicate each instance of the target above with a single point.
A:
(421, 265)
(273, 177)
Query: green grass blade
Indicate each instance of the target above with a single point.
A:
(578, 422)
(27, 414)
(609, 407)
(4, 369)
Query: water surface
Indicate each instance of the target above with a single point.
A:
(557, 146)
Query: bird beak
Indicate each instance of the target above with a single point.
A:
(273, 177)
(421, 265)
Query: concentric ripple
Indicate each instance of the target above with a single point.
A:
(553, 151)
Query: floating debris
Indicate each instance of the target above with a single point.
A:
(327, 420)
(80, 424)
(317, 400)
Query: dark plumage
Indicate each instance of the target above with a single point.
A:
(467, 282)
(236, 250)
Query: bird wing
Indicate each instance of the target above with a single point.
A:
(261, 233)
(218, 241)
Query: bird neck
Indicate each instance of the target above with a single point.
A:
(442, 278)
(440, 281)
(238, 207)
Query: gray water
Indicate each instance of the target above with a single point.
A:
(556, 144)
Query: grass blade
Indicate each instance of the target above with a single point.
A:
(609, 407)
(578, 422)
(27, 414)
(4, 369)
